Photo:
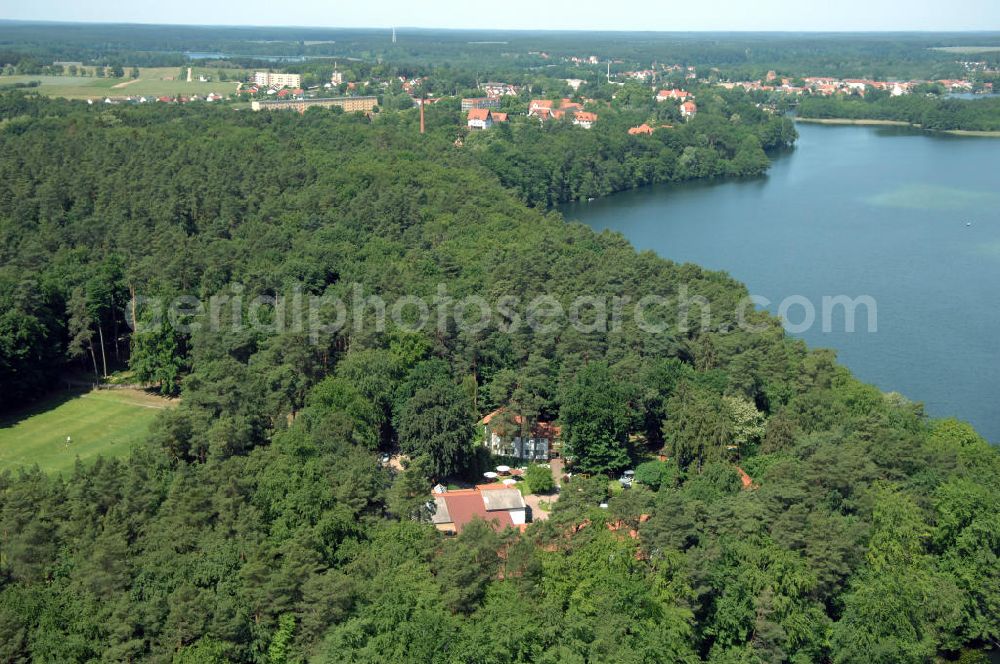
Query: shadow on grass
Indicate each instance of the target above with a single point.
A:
(45, 404)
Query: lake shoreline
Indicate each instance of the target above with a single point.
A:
(898, 123)
(850, 121)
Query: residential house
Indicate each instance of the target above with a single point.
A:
(495, 89)
(540, 107)
(498, 117)
(498, 505)
(545, 109)
(672, 95)
(585, 119)
(505, 436)
(569, 106)
(688, 110)
(856, 85)
(480, 118)
(640, 130)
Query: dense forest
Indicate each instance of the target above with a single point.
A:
(256, 524)
(932, 112)
(494, 53)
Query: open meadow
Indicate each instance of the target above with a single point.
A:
(98, 422)
(152, 82)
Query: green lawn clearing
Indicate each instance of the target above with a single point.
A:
(99, 422)
(152, 82)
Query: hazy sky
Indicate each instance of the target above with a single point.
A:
(534, 14)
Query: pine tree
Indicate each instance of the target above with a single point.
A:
(81, 333)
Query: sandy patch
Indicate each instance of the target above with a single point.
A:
(117, 86)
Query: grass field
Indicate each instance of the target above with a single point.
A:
(100, 422)
(152, 82)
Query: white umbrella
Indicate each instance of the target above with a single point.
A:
(508, 482)
(490, 475)
(503, 469)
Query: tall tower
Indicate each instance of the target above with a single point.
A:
(421, 115)
(394, 35)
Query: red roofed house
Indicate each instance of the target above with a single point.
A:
(689, 109)
(641, 129)
(540, 107)
(568, 105)
(498, 505)
(499, 117)
(504, 436)
(585, 119)
(675, 94)
(480, 118)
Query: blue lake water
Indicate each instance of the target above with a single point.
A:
(205, 55)
(857, 211)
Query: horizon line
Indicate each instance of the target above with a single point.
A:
(867, 31)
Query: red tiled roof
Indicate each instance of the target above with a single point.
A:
(479, 114)
(500, 117)
(641, 129)
(542, 429)
(745, 479)
(586, 116)
(466, 504)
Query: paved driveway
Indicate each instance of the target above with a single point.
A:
(537, 513)
(557, 466)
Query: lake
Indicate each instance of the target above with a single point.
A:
(857, 211)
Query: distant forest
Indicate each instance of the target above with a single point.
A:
(927, 111)
(880, 55)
